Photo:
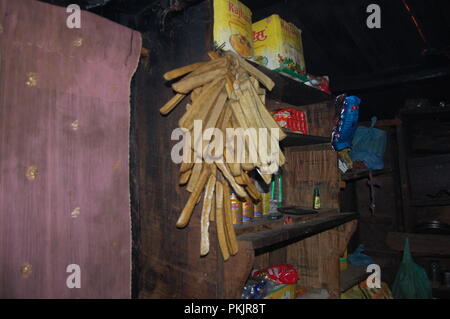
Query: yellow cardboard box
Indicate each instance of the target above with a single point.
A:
(233, 27)
(278, 46)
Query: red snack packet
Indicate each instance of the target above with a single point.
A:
(294, 120)
(281, 274)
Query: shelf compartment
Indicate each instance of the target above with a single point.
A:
(297, 139)
(291, 91)
(280, 234)
(352, 275)
(259, 224)
(355, 175)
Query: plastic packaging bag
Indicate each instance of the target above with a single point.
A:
(257, 288)
(275, 282)
(281, 274)
(344, 131)
(357, 258)
(369, 145)
(411, 281)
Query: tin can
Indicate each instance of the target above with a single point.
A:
(265, 203)
(247, 211)
(236, 209)
(257, 209)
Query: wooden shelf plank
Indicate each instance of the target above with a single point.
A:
(291, 91)
(355, 175)
(425, 111)
(297, 139)
(430, 202)
(352, 276)
(264, 223)
(432, 245)
(290, 233)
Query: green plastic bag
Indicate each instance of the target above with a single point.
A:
(411, 281)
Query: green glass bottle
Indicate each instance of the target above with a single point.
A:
(316, 204)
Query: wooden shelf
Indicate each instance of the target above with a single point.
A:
(420, 244)
(264, 223)
(352, 276)
(355, 175)
(291, 91)
(430, 202)
(297, 139)
(276, 233)
(425, 111)
(441, 292)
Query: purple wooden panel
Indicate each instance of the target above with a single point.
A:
(64, 108)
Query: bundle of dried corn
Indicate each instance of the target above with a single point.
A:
(225, 94)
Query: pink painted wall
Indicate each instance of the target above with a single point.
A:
(64, 110)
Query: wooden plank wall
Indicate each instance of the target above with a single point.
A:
(317, 258)
(168, 263)
(308, 167)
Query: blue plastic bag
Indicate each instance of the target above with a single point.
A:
(369, 146)
(357, 258)
(343, 132)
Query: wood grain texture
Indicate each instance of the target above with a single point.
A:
(420, 243)
(308, 167)
(170, 263)
(237, 269)
(268, 239)
(317, 258)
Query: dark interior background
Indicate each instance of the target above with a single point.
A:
(388, 68)
(383, 66)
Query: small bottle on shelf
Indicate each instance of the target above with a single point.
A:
(316, 204)
(276, 193)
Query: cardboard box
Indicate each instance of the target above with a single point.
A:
(278, 46)
(282, 292)
(233, 27)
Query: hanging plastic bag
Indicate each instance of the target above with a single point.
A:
(357, 258)
(411, 281)
(344, 131)
(369, 146)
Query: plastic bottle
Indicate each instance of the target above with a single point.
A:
(276, 193)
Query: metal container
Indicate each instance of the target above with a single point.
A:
(247, 211)
(236, 209)
(257, 209)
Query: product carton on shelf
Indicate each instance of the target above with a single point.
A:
(278, 46)
(233, 27)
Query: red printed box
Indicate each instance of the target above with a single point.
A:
(293, 120)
